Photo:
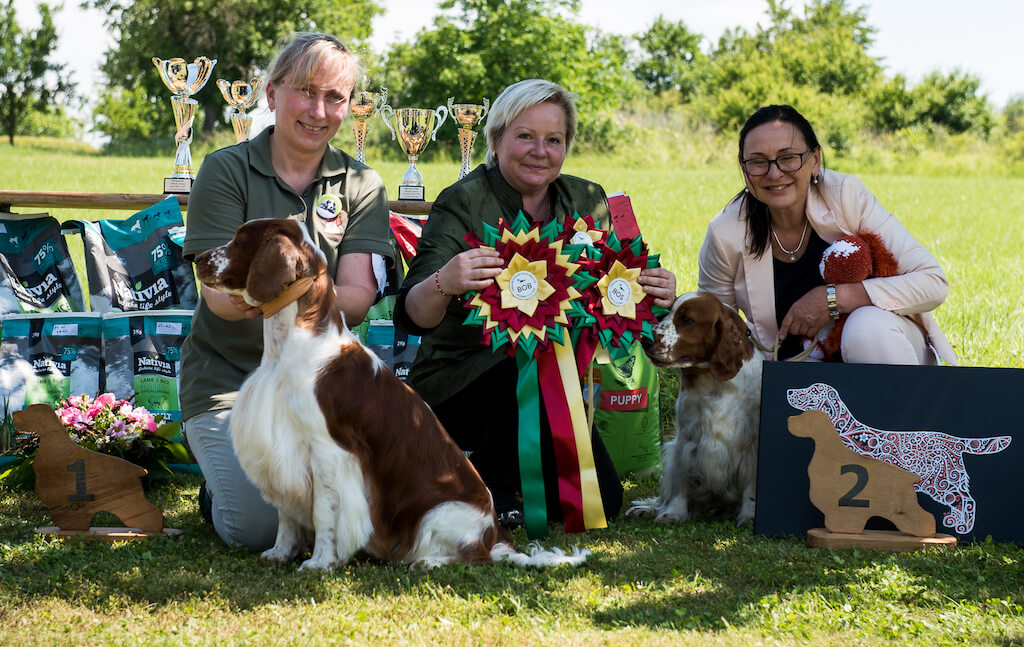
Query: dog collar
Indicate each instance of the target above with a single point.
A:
(290, 294)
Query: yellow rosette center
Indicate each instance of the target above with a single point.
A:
(620, 291)
(523, 285)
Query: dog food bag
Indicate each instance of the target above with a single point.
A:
(626, 411)
(142, 357)
(44, 358)
(395, 348)
(36, 271)
(136, 263)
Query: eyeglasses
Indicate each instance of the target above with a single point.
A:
(785, 163)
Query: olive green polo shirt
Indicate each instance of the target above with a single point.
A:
(237, 184)
(452, 355)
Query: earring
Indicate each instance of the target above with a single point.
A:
(815, 179)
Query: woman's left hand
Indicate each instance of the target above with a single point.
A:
(807, 316)
(660, 284)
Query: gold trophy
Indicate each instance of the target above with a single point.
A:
(415, 128)
(365, 105)
(241, 96)
(467, 116)
(183, 79)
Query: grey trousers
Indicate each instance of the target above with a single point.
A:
(240, 514)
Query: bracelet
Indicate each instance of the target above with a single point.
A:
(833, 305)
(437, 285)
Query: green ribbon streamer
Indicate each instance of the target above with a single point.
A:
(531, 472)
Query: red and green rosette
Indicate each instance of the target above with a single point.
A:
(622, 311)
(563, 290)
(527, 312)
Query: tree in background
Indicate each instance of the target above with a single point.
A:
(242, 35)
(30, 85)
(671, 58)
(486, 45)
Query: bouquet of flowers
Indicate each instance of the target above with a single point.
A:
(107, 425)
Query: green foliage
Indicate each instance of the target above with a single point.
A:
(242, 35)
(486, 45)
(672, 59)
(952, 101)
(1013, 113)
(30, 84)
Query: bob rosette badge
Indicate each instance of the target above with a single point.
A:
(529, 304)
(622, 311)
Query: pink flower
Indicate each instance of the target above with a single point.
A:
(105, 399)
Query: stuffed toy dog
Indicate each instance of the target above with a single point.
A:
(850, 259)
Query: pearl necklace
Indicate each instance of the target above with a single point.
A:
(792, 254)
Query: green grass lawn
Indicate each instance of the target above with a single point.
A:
(702, 583)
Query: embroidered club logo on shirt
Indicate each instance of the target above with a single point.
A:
(333, 217)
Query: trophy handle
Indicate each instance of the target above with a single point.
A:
(451, 105)
(225, 91)
(161, 68)
(483, 113)
(442, 115)
(386, 112)
(256, 85)
(383, 99)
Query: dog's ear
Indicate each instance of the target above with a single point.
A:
(731, 347)
(273, 267)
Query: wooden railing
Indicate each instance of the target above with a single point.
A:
(133, 201)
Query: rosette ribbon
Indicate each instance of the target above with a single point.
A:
(527, 312)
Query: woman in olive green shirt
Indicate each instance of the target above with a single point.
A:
(529, 130)
(288, 171)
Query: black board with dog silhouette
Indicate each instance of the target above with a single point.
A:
(957, 427)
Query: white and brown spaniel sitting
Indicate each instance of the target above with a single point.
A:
(353, 460)
(711, 464)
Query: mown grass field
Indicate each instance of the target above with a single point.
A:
(703, 583)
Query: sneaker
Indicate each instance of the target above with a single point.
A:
(511, 518)
(205, 503)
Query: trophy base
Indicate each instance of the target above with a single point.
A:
(178, 184)
(411, 192)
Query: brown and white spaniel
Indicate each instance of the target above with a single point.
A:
(711, 464)
(353, 460)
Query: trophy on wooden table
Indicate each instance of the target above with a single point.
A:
(241, 96)
(365, 105)
(183, 79)
(467, 116)
(415, 127)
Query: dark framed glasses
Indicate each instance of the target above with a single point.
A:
(785, 163)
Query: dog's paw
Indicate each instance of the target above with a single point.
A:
(670, 516)
(746, 514)
(643, 507)
(315, 564)
(279, 554)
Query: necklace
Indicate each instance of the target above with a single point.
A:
(792, 254)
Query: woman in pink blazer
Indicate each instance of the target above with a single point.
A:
(762, 251)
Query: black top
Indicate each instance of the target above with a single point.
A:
(792, 281)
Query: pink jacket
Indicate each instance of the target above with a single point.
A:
(840, 205)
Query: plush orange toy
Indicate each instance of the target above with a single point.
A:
(852, 259)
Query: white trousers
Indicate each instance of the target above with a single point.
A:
(875, 336)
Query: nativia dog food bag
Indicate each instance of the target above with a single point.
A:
(36, 271)
(44, 358)
(625, 404)
(136, 263)
(142, 357)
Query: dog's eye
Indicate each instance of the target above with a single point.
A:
(683, 320)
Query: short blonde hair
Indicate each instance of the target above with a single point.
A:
(522, 95)
(299, 60)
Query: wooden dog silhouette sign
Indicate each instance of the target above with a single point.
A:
(76, 483)
(850, 488)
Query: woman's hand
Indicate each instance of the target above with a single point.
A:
(810, 313)
(473, 269)
(807, 316)
(229, 307)
(660, 284)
